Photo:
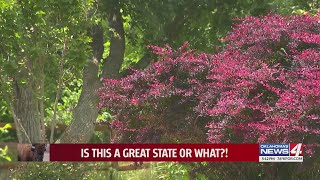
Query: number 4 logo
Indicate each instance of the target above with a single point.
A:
(296, 149)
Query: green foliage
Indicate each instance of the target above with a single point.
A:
(141, 174)
(201, 23)
(134, 43)
(54, 170)
(70, 95)
(41, 36)
(100, 137)
(172, 170)
(5, 115)
(51, 171)
(4, 133)
(295, 6)
(4, 154)
(4, 128)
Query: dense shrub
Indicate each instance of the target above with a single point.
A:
(266, 83)
(59, 170)
(264, 86)
(161, 100)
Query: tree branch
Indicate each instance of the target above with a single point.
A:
(113, 62)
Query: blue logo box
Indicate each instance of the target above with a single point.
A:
(274, 149)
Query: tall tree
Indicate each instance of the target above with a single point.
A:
(86, 111)
(35, 32)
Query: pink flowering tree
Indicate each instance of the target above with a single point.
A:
(158, 104)
(266, 83)
(264, 86)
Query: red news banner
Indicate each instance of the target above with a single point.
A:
(155, 152)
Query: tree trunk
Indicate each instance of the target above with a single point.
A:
(86, 112)
(113, 62)
(25, 109)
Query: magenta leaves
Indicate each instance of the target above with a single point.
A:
(263, 87)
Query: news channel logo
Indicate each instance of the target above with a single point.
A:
(281, 152)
